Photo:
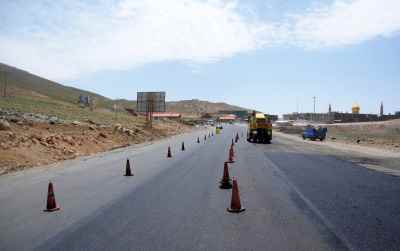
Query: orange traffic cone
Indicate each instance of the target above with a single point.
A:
(232, 149)
(183, 146)
(128, 171)
(51, 200)
(230, 159)
(236, 206)
(169, 154)
(225, 181)
(198, 140)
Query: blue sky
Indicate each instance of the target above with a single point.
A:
(272, 55)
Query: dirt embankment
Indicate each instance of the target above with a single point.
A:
(380, 134)
(384, 135)
(26, 143)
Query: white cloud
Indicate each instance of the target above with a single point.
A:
(346, 22)
(134, 33)
(66, 39)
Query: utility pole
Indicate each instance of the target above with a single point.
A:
(116, 111)
(314, 99)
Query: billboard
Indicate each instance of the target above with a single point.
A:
(150, 102)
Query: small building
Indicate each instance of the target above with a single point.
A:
(84, 100)
(227, 118)
(332, 117)
(167, 115)
(240, 114)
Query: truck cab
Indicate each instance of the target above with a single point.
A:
(259, 128)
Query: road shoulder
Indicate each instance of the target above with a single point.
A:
(380, 160)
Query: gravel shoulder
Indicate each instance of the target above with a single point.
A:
(382, 160)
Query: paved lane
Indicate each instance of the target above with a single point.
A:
(182, 209)
(363, 205)
(296, 199)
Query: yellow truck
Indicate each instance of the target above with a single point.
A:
(259, 128)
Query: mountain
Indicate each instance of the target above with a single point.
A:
(23, 84)
(20, 81)
(195, 106)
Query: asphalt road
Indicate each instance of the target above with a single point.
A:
(296, 198)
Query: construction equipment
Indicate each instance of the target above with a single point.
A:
(259, 128)
(314, 133)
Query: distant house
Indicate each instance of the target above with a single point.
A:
(84, 100)
(242, 114)
(167, 115)
(227, 118)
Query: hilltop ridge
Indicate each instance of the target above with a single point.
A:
(32, 88)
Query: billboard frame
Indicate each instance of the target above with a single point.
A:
(150, 102)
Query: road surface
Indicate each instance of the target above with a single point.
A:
(296, 198)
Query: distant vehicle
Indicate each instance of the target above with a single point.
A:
(259, 128)
(210, 122)
(220, 127)
(315, 133)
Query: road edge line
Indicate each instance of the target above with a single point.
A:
(311, 206)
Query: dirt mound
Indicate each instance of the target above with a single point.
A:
(28, 144)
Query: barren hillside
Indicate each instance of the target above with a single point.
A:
(27, 87)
